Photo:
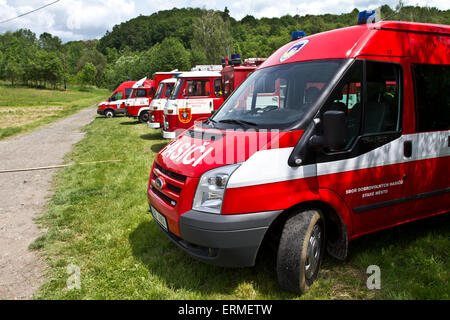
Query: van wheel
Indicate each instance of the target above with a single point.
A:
(143, 117)
(109, 113)
(300, 251)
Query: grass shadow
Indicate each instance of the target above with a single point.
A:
(129, 123)
(152, 136)
(158, 147)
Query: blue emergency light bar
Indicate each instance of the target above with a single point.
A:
(297, 35)
(363, 16)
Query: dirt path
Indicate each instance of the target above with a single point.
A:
(23, 196)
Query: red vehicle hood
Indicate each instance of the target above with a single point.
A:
(199, 150)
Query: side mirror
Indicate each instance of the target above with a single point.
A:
(334, 131)
(213, 112)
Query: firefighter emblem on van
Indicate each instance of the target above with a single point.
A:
(185, 115)
(293, 50)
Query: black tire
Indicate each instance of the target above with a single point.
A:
(143, 117)
(109, 113)
(297, 268)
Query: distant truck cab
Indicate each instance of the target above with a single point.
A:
(115, 104)
(156, 113)
(138, 102)
(195, 95)
(336, 135)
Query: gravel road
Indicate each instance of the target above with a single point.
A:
(24, 195)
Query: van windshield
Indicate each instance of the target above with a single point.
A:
(278, 96)
(159, 91)
(176, 89)
(168, 92)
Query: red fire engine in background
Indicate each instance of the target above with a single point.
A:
(138, 102)
(115, 104)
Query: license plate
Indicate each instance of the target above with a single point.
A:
(159, 218)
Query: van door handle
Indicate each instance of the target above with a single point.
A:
(407, 149)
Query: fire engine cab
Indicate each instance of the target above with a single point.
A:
(234, 72)
(157, 106)
(336, 135)
(115, 104)
(138, 102)
(195, 95)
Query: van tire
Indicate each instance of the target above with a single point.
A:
(109, 113)
(143, 117)
(297, 268)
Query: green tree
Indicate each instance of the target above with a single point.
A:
(168, 55)
(212, 36)
(88, 73)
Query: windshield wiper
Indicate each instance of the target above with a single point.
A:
(239, 122)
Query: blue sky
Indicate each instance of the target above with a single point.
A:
(89, 19)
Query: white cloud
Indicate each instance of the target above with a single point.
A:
(88, 19)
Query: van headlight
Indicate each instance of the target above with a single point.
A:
(211, 189)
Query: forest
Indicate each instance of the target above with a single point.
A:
(167, 40)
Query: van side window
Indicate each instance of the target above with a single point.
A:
(218, 88)
(117, 96)
(198, 88)
(432, 86)
(140, 93)
(381, 110)
(127, 93)
(347, 98)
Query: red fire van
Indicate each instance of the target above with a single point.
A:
(138, 102)
(115, 104)
(157, 106)
(195, 95)
(356, 140)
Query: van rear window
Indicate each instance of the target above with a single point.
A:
(432, 85)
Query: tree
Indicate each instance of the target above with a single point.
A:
(88, 73)
(212, 36)
(168, 55)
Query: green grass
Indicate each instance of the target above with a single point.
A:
(98, 220)
(23, 109)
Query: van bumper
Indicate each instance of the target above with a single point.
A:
(223, 240)
(101, 112)
(153, 125)
(169, 134)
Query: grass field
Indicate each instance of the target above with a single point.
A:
(98, 220)
(23, 109)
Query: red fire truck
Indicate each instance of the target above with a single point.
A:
(157, 106)
(358, 140)
(138, 102)
(195, 95)
(115, 104)
(234, 72)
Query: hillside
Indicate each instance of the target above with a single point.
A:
(166, 40)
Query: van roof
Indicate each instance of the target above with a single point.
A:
(387, 38)
(199, 74)
(170, 80)
(126, 84)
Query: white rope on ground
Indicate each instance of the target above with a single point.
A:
(55, 167)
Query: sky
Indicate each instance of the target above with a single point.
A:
(90, 19)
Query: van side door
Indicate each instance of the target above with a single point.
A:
(368, 173)
(430, 145)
